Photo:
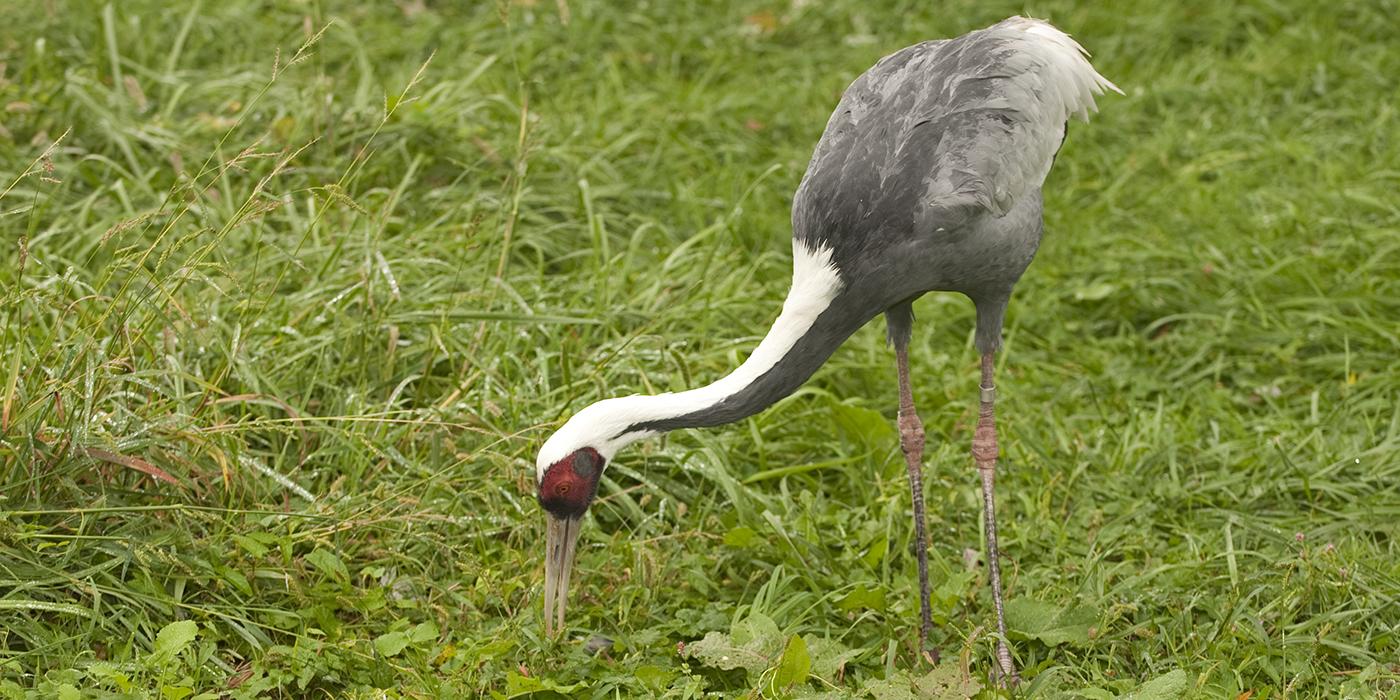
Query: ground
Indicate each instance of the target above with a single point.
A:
(294, 290)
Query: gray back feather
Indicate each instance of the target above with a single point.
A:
(941, 132)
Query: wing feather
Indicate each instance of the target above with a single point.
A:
(946, 130)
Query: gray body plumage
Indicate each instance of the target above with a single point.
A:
(927, 178)
(917, 184)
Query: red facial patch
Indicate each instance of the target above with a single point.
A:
(569, 485)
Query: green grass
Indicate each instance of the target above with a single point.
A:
(293, 291)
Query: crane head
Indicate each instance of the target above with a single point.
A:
(566, 488)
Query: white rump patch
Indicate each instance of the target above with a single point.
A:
(815, 283)
(1040, 77)
(1072, 79)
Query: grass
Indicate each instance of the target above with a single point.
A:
(293, 291)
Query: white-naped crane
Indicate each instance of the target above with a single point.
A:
(927, 178)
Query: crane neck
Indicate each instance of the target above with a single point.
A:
(800, 341)
(816, 318)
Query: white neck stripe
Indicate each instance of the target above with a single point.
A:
(815, 283)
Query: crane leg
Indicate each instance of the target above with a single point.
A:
(984, 453)
(911, 441)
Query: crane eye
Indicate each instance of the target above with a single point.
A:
(584, 463)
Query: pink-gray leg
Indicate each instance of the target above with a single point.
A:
(984, 453)
(911, 441)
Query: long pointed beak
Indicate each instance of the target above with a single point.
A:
(561, 536)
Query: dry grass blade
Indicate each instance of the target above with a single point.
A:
(135, 463)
